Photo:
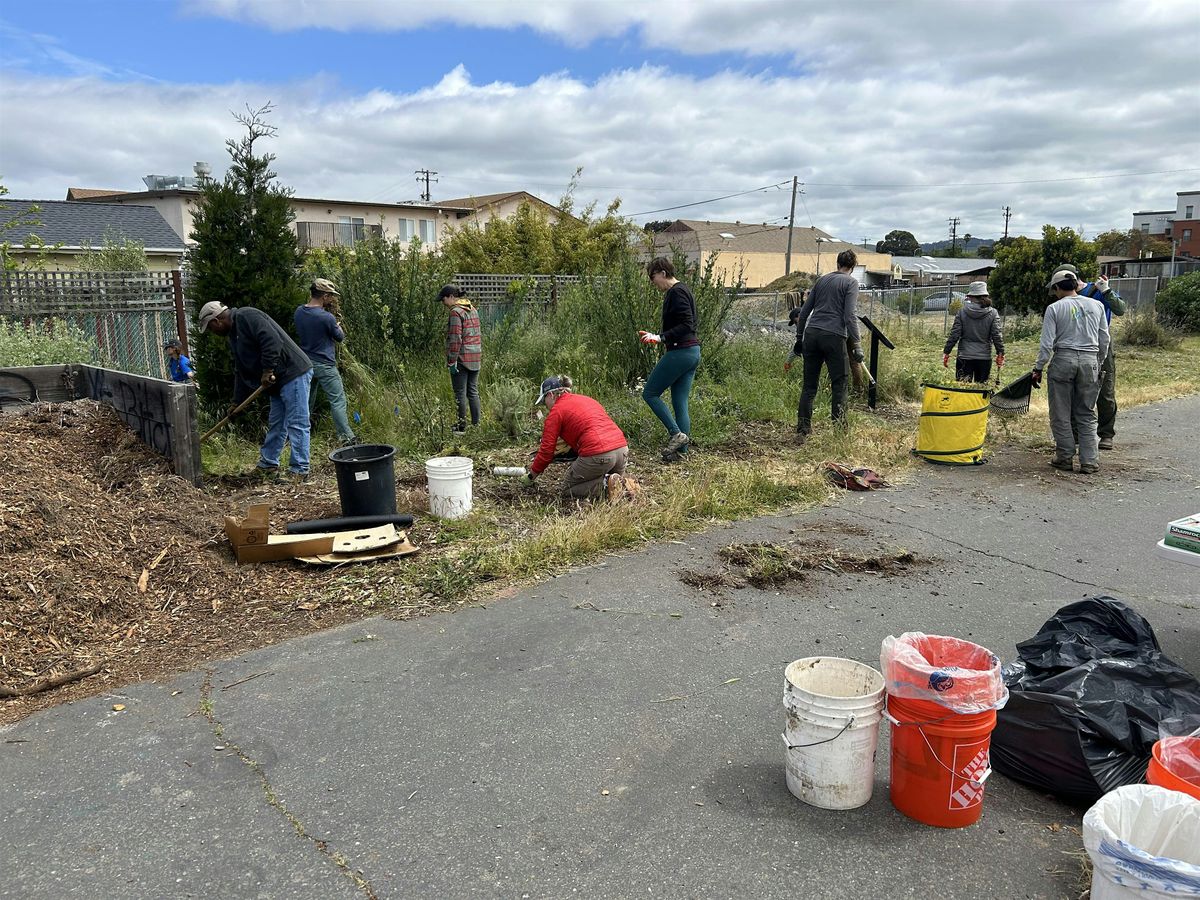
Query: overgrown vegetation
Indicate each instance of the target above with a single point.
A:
(116, 254)
(1143, 329)
(45, 343)
(1178, 304)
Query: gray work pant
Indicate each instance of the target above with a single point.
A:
(1106, 402)
(1072, 383)
(585, 477)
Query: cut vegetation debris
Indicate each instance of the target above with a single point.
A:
(767, 565)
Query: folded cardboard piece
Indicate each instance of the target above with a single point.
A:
(253, 542)
(1184, 534)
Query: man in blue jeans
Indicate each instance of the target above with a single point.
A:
(263, 355)
(318, 330)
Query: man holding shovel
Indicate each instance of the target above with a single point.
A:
(264, 356)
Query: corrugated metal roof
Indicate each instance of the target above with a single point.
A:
(75, 225)
(943, 265)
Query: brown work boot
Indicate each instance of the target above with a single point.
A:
(1106, 443)
(614, 487)
(1067, 465)
(1088, 468)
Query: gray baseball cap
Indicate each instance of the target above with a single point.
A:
(210, 311)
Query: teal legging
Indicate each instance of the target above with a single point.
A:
(676, 370)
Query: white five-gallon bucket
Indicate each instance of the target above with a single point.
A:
(449, 486)
(834, 707)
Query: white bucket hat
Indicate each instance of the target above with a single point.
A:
(978, 289)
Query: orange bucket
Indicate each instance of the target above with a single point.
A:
(1181, 774)
(940, 761)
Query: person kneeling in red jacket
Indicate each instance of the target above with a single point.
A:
(582, 423)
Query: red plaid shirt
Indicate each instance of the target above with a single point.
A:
(464, 338)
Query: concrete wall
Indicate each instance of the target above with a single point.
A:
(161, 413)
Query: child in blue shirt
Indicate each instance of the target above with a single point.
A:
(178, 365)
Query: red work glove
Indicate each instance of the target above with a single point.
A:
(649, 337)
(1037, 377)
(787, 367)
(1000, 360)
(946, 360)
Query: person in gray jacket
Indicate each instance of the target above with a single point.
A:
(1075, 331)
(976, 330)
(826, 327)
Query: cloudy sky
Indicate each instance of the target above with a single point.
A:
(892, 114)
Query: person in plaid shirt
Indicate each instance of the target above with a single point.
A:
(464, 352)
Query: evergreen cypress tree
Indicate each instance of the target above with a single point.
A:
(246, 253)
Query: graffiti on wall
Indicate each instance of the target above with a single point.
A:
(143, 404)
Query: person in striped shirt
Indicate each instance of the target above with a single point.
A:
(464, 352)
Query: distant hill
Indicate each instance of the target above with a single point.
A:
(967, 246)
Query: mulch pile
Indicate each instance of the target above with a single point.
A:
(108, 562)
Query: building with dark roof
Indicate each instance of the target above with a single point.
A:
(63, 230)
(759, 252)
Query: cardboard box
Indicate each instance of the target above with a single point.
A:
(253, 542)
(1184, 534)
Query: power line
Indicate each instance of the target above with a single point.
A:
(704, 202)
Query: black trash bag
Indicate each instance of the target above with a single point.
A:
(1086, 697)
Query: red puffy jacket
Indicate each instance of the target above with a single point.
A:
(583, 424)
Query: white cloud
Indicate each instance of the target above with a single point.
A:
(879, 102)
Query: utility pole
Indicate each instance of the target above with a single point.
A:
(787, 258)
(1007, 216)
(954, 220)
(425, 175)
(864, 240)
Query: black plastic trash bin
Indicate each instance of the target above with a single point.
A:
(366, 479)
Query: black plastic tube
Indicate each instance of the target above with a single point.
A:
(348, 523)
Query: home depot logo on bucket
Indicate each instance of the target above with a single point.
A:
(966, 784)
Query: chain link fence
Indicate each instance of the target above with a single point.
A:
(126, 317)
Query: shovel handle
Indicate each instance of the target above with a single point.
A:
(225, 421)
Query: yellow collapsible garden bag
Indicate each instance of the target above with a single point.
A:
(953, 425)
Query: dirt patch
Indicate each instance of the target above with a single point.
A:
(108, 560)
(710, 581)
(769, 564)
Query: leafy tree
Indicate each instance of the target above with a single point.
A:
(984, 251)
(117, 254)
(247, 254)
(657, 225)
(1064, 245)
(1130, 244)
(20, 220)
(1017, 282)
(899, 243)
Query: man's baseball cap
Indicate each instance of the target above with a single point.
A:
(172, 343)
(210, 311)
(450, 290)
(1060, 276)
(553, 383)
(1067, 267)
(324, 286)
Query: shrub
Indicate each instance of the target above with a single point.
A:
(47, 343)
(1178, 304)
(1142, 329)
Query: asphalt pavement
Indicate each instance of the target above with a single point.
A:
(612, 732)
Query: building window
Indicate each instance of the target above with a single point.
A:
(408, 228)
(428, 231)
(1187, 234)
(1187, 211)
(1145, 228)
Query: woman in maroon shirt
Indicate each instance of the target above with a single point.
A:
(586, 428)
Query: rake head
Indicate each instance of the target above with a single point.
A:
(1014, 398)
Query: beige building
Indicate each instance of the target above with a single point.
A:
(757, 253)
(486, 207)
(318, 223)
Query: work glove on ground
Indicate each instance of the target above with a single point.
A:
(946, 360)
(857, 354)
(787, 367)
(1037, 377)
(649, 337)
(268, 378)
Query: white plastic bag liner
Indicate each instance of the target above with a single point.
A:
(957, 674)
(1144, 842)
